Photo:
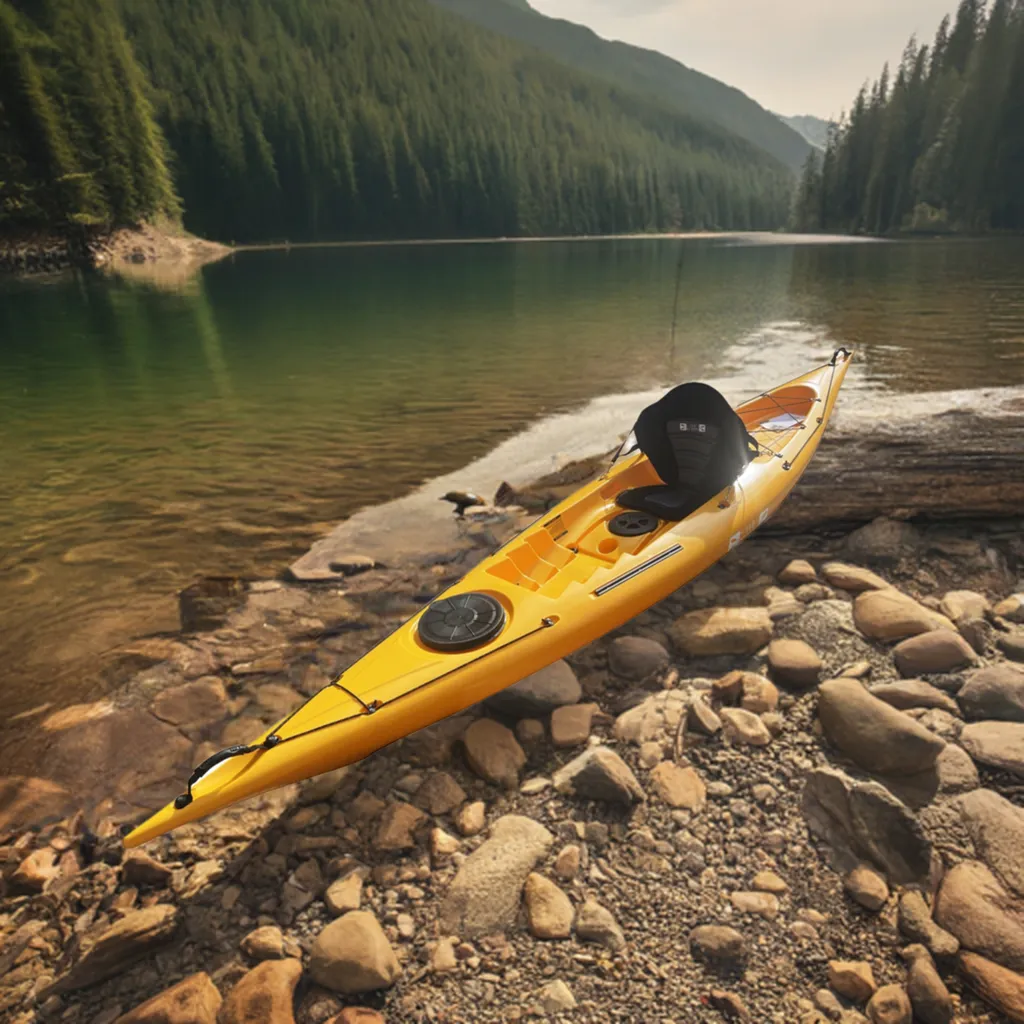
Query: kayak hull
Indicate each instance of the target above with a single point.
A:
(563, 582)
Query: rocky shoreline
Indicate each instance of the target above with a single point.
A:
(125, 250)
(789, 793)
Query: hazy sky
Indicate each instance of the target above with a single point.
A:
(792, 56)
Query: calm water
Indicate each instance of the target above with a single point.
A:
(148, 436)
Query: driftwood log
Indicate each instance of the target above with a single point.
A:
(935, 457)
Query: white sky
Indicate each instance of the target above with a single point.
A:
(792, 56)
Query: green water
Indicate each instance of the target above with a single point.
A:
(150, 435)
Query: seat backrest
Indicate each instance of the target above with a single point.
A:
(693, 437)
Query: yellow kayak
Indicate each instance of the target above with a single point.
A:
(701, 478)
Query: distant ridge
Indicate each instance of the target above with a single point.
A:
(813, 129)
(639, 70)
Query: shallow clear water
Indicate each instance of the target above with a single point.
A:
(152, 435)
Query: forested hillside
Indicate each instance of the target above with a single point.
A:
(328, 119)
(78, 142)
(937, 147)
(638, 70)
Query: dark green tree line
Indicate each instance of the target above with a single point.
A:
(78, 141)
(334, 119)
(939, 146)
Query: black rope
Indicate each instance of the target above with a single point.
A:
(275, 740)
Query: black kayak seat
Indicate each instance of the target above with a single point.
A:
(697, 445)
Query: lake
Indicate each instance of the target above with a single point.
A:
(150, 435)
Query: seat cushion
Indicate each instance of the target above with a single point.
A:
(668, 503)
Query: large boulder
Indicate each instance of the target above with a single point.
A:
(996, 744)
(599, 774)
(891, 615)
(484, 895)
(974, 906)
(196, 708)
(863, 820)
(995, 692)
(997, 828)
(874, 734)
(883, 541)
(712, 631)
(538, 694)
(353, 955)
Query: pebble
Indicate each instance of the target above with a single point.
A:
(867, 887)
(852, 979)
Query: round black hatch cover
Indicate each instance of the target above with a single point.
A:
(462, 622)
(633, 524)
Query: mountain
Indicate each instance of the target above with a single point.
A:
(813, 129)
(335, 119)
(639, 70)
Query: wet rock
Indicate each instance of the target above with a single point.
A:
(139, 869)
(996, 744)
(915, 922)
(264, 995)
(192, 1001)
(852, 577)
(794, 663)
(938, 650)
(277, 699)
(963, 604)
(570, 725)
(195, 707)
(995, 692)
(744, 728)
(636, 657)
(118, 946)
(852, 979)
(712, 631)
(549, 913)
(999, 987)
(397, 827)
(266, 943)
(890, 1005)
(914, 693)
(679, 787)
(439, 794)
(867, 887)
(797, 572)
(352, 563)
(599, 774)
(718, 943)
(653, 718)
(883, 541)
(863, 820)
(493, 753)
(596, 924)
(874, 734)
(997, 829)
(352, 955)
(891, 615)
(484, 895)
(928, 994)
(974, 906)
(204, 605)
(538, 694)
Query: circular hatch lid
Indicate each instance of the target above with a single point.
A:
(633, 524)
(462, 622)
